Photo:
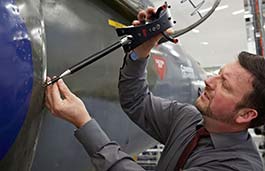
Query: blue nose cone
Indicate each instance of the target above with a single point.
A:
(16, 74)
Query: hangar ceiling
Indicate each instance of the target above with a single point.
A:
(220, 38)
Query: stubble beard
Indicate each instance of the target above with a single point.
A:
(207, 112)
(204, 109)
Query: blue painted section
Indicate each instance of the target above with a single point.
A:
(16, 74)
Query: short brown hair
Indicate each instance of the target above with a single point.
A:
(255, 64)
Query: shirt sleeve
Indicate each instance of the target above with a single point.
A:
(105, 154)
(153, 114)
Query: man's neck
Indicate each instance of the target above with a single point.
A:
(216, 126)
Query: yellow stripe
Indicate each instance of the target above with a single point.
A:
(116, 24)
(134, 157)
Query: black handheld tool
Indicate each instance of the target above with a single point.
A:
(130, 40)
(140, 34)
(135, 36)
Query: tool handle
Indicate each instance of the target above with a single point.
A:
(142, 33)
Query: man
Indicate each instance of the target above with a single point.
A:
(232, 102)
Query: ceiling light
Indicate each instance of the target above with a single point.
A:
(238, 12)
(204, 43)
(248, 15)
(195, 31)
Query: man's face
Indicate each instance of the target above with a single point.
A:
(223, 92)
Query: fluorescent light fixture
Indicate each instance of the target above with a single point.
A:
(204, 43)
(248, 15)
(247, 12)
(217, 9)
(238, 12)
(195, 31)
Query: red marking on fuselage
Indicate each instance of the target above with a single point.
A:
(160, 65)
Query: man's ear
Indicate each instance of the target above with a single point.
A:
(245, 115)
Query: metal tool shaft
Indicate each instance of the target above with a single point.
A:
(91, 59)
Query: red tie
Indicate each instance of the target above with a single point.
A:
(201, 132)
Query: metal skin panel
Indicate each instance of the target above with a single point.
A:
(76, 29)
(128, 8)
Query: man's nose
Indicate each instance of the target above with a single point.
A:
(211, 82)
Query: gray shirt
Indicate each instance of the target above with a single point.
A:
(172, 124)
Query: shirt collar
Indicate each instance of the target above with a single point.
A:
(226, 139)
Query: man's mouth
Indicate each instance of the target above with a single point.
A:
(205, 95)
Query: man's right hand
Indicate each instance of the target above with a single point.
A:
(143, 50)
(65, 105)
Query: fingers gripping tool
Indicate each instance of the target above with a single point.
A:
(161, 21)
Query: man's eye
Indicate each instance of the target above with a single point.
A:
(225, 85)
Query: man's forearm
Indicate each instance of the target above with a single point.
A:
(132, 84)
(105, 154)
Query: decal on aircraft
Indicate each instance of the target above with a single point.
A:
(116, 24)
(187, 71)
(160, 66)
(16, 74)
